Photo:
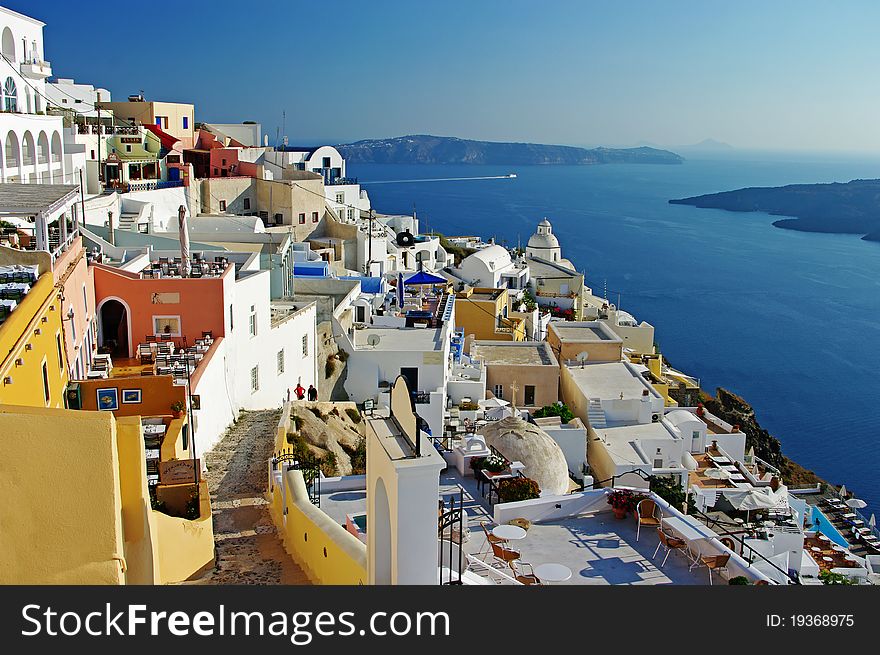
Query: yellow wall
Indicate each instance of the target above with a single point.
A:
(39, 310)
(480, 317)
(327, 552)
(159, 548)
(61, 507)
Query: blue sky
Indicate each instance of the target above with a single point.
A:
(769, 75)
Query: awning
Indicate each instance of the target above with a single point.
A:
(425, 278)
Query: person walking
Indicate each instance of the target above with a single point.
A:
(300, 391)
(313, 393)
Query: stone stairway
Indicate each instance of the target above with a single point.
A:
(248, 549)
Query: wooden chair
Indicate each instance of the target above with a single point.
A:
(715, 562)
(522, 575)
(648, 514)
(670, 544)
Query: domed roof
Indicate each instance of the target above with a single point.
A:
(545, 223)
(543, 241)
(679, 416)
(495, 253)
(521, 441)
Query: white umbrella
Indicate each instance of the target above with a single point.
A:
(872, 522)
(717, 474)
(184, 241)
(856, 503)
(498, 413)
(842, 492)
(493, 402)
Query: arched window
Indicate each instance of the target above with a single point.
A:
(10, 95)
(8, 44)
(11, 147)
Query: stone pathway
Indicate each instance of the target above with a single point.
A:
(249, 550)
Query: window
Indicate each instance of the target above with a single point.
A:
(223, 162)
(314, 217)
(60, 351)
(252, 321)
(223, 205)
(255, 379)
(86, 302)
(10, 95)
(529, 399)
(168, 325)
(498, 390)
(302, 219)
(350, 214)
(93, 155)
(230, 318)
(280, 361)
(216, 171)
(326, 162)
(46, 382)
(162, 121)
(340, 198)
(247, 203)
(305, 345)
(186, 122)
(279, 219)
(128, 148)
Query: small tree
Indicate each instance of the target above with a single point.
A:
(668, 488)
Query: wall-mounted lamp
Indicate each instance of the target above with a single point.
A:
(19, 362)
(38, 331)
(44, 319)
(7, 380)
(28, 346)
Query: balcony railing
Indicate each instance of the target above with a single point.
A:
(343, 180)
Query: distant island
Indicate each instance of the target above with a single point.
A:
(848, 208)
(426, 149)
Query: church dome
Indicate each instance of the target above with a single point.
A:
(542, 457)
(544, 243)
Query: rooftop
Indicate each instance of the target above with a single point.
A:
(621, 441)
(485, 295)
(608, 380)
(582, 332)
(525, 353)
(396, 339)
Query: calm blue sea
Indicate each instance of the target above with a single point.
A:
(789, 320)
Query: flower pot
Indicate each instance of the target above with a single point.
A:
(176, 414)
(619, 512)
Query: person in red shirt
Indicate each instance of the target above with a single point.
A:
(300, 391)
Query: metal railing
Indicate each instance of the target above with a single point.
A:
(309, 465)
(449, 524)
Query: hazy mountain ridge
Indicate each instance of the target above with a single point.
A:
(427, 149)
(840, 207)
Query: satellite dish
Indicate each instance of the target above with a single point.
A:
(582, 357)
(405, 239)
(374, 340)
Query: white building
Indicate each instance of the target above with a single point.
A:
(81, 98)
(543, 244)
(32, 142)
(493, 267)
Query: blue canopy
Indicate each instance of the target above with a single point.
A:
(425, 278)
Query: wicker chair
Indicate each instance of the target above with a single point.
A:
(648, 514)
(715, 562)
(504, 554)
(522, 572)
(670, 544)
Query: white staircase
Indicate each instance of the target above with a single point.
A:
(128, 221)
(595, 414)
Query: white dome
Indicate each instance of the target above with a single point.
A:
(543, 241)
(495, 255)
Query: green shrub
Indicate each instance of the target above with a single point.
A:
(556, 409)
(516, 489)
(827, 577)
(738, 580)
(330, 367)
(358, 456)
(353, 414)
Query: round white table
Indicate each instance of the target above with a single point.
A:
(552, 572)
(509, 532)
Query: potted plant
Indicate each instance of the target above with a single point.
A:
(623, 501)
(177, 408)
(494, 464)
(515, 489)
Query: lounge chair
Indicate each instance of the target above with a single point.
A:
(669, 543)
(648, 514)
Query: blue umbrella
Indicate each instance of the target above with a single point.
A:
(422, 278)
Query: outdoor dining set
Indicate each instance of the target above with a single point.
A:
(499, 540)
(844, 511)
(168, 360)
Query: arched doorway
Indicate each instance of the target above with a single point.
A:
(379, 526)
(114, 328)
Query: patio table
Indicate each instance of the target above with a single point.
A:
(552, 572)
(509, 532)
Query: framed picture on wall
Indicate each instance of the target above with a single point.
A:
(108, 399)
(195, 401)
(131, 396)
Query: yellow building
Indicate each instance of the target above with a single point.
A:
(485, 313)
(63, 527)
(33, 368)
(174, 118)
